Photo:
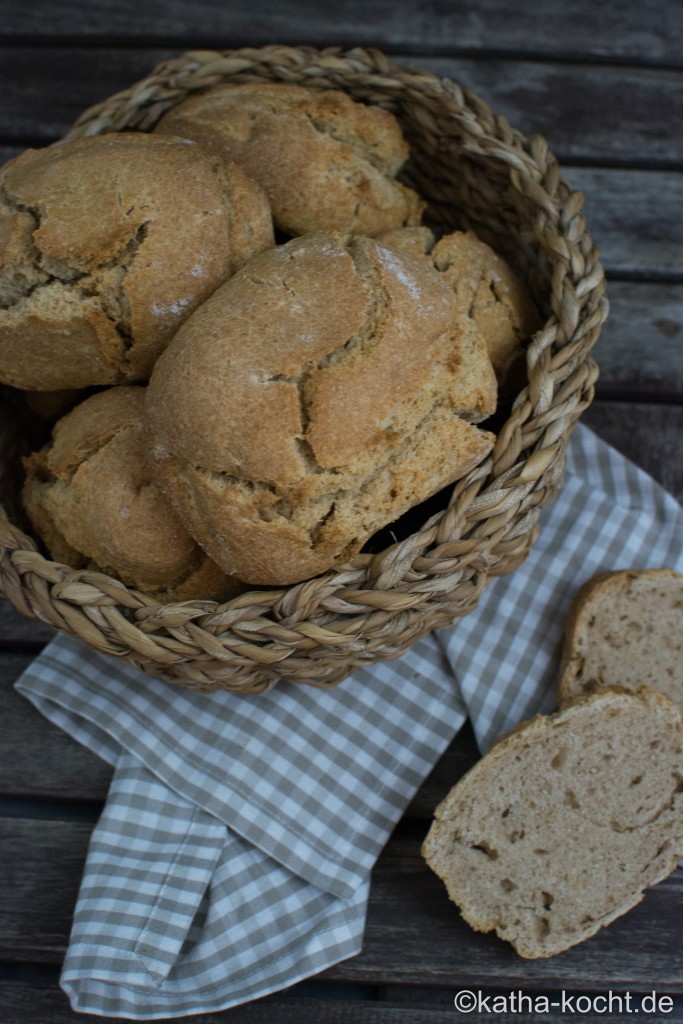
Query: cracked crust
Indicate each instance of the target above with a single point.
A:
(106, 245)
(625, 628)
(560, 828)
(90, 497)
(321, 392)
(324, 160)
(486, 289)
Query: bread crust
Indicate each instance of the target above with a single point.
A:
(316, 396)
(90, 497)
(486, 289)
(106, 245)
(324, 160)
(624, 627)
(561, 827)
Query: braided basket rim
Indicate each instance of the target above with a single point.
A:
(375, 606)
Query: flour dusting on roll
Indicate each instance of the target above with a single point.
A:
(325, 389)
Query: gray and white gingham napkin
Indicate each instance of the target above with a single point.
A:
(234, 852)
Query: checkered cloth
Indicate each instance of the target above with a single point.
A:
(234, 852)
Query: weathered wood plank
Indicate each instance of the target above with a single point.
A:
(640, 350)
(630, 216)
(36, 757)
(587, 112)
(609, 30)
(25, 1002)
(42, 862)
(413, 935)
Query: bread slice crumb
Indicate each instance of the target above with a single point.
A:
(625, 628)
(561, 827)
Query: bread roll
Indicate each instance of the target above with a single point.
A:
(486, 289)
(315, 397)
(325, 161)
(90, 497)
(625, 628)
(560, 828)
(106, 245)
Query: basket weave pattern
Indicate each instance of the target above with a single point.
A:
(475, 173)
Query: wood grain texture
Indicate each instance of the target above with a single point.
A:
(26, 1002)
(42, 862)
(38, 759)
(631, 217)
(609, 30)
(640, 351)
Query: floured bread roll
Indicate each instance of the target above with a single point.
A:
(315, 397)
(560, 828)
(106, 245)
(325, 161)
(486, 289)
(90, 497)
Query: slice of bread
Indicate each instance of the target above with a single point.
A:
(561, 827)
(625, 629)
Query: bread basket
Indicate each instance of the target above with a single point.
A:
(475, 173)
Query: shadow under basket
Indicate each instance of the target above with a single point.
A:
(475, 172)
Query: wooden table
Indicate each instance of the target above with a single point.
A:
(604, 83)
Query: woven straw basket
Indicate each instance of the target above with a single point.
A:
(475, 173)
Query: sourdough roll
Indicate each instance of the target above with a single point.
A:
(315, 397)
(325, 161)
(486, 289)
(625, 628)
(561, 827)
(91, 499)
(106, 245)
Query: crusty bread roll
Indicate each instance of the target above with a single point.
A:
(560, 828)
(106, 245)
(316, 396)
(325, 161)
(486, 289)
(91, 499)
(625, 628)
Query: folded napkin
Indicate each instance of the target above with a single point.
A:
(234, 852)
